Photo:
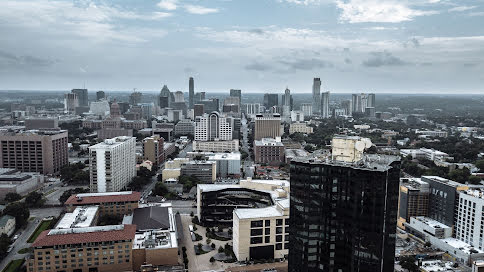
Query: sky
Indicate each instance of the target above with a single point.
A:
(382, 46)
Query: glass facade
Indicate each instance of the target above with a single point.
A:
(343, 218)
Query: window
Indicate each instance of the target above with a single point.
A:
(255, 232)
(267, 239)
(278, 246)
(256, 224)
(267, 231)
(268, 223)
(256, 240)
(278, 238)
(278, 222)
(279, 230)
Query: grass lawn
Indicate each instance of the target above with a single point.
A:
(43, 226)
(14, 265)
(24, 250)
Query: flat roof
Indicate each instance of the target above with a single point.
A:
(277, 182)
(83, 235)
(155, 240)
(372, 162)
(97, 198)
(81, 217)
(271, 211)
(465, 247)
(430, 222)
(225, 156)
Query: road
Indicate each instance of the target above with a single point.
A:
(21, 242)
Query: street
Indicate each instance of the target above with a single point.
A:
(21, 242)
(247, 163)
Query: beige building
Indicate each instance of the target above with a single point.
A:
(102, 249)
(262, 233)
(267, 126)
(301, 128)
(153, 149)
(349, 148)
(7, 225)
(216, 146)
(43, 151)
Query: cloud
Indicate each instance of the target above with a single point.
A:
(379, 59)
(8, 59)
(348, 61)
(257, 66)
(168, 4)
(194, 9)
(306, 64)
(478, 13)
(462, 8)
(303, 2)
(378, 11)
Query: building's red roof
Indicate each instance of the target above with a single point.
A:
(45, 240)
(86, 200)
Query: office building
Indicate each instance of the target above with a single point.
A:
(262, 233)
(271, 100)
(346, 106)
(297, 116)
(251, 109)
(371, 100)
(135, 98)
(198, 110)
(112, 164)
(209, 105)
(413, 199)
(307, 109)
(99, 248)
(325, 105)
(286, 103)
(269, 151)
(343, 214)
(267, 126)
(43, 151)
(41, 123)
(100, 108)
(300, 127)
(213, 127)
(100, 95)
(216, 146)
(199, 96)
(316, 103)
(71, 102)
(228, 164)
(185, 127)
(191, 92)
(82, 96)
(153, 150)
(14, 181)
(236, 93)
(443, 197)
(164, 100)
(179, 97)
(112, 203)
(423, 227)
(205, 171)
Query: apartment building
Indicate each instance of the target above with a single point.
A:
(114, 203)
(213, 127)
(112, 164)
(153, 149)
(269, 151)
(413, 199)
(43, 151)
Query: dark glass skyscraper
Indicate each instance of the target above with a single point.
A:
(343, 214)
(191, 92)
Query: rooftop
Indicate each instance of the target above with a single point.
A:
(268, 142)
(463, 246)
(110, 143)
(225, 156)
(271, 211)
(430, 222)
(81, 217)
(97, 198)
(150, 218)
(54, 237)
(373, 162)
(4, 219)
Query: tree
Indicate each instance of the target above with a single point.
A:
(220, 249)
(212, 259)
(408, 262)
(474, 180)
(34, 199)
(11, 197)
(208, 241)
(213, 246)
(160, 189)
(5, 243)
(460, 175)
(480, 164)
(20, 211)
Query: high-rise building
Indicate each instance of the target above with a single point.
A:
(164, 98)
(267, 126)
(360, 102)
(251, 109)
(210, 105)
(198, 110)
(307, 109)
(213, 127)
(316, 96)
(271, 100)
(236, 93)
(135, 98)
(71, 102)
(286, 103)
(371, 100)
(325, 105)
(112, 164)
(343, 215)
(100, 95)
(346, 105)
(43, 151)
(153, 149)
(469, 225)
(413, 199)
(179, 97)
(82, 96)
(191, 92)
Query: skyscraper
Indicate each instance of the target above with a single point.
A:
(82, 96)
(100, 95)
(165, 97)
(213, 127)
(286, 103)
(270, 100)
(343, 215)
(267, 126)
(325, 105)
(236, 93)
(371, 100)
(135, 98)
(71, 102)
(191, 92)
(316, 96)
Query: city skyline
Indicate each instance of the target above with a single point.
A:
(423, 46)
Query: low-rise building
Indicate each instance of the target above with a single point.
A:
(216, 146)
(422, 227)
(14, 181)
(114, 203)
(228, 164)
(261, 233)
(301, 128)
(426, 153)
(205, 171)
(7, 225)
(269, 151)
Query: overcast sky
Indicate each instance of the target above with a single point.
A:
(255, 45)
